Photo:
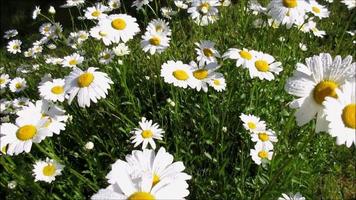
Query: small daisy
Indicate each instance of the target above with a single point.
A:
(168, 12)
(106, 56)
(203, 75)
(218, 82)
(317, 9)
(288, 12)
(341, 114)
(96, 12)
(47, 170)
(206, 52)
(243, 57)
(265, 137)
(4, 80)
(89, 85)
(291, 196)
(114, 4)
(256, 7)
(10, 33)
(159, 26)
(204, 12)
(36, 12)
(20, 103)
(146, 133)
(310, 26)
(47, 29)
(14, 46)
(120, 27)
(253, 123)
(17, 84)
(264, 66)
(315, 80)
(180, 4)
(99, 33)
(52, 90)
(351, 4)
(139, 3)
(153, 43)
(73, 3)
(178, 74)
(72, 60)
(261, 154)
(121, 49)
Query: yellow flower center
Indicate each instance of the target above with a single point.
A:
(26, 132)
(46, 29)
(251, 125)
(2, 80)
(180, 75)
(106, 56)
(85, 79)
(216, 82)
(155, 41)
(141, 196)
(118, 24)
(290, 3)
(263, 137)
(205, 7)
(208, 52)
(16, 46)
(263, 154)
(262, 65)
(96, 13)
(200, 74)
(73, 62)
(146, 134)
(349, 116)
(57, 89)
(159, 28)
(155, 180)
(316, 9)
(49, 170)
(103, 33)
(324, 89)
(245, 55)
(18, 86)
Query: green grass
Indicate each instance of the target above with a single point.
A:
(219, 162)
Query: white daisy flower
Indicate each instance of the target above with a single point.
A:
(203, 75)
(159, 26)
(17, 84)
(4, 80)
(36, 12)
(139, 3)
(72, 60)
(47, 29)
(99, 33)
(153, 43)
(52, 90)
(54, 61)
(168, 12)
(82, 36)
(20, 103)
(121, 49)
(106, 56)
(341, 114)
(218, 82)
(180, 4)
(206, 52)
(73, 3)
(96, 12)
(288, 12)
(14, 46)
(178, 74)
(89, 85)
(28, 129)
(243, 57)
(47, 170)
(256, 7)
(291, 196)
(10, 33)
(146, 134)
(261, 153)
(311, 83)
(120, 27)
(310, 26)
(267, 138)
(317, 9)
(351, 4)
(51, 10)
(114, 4)
(204, 12)
(253, 123)
(264, 66)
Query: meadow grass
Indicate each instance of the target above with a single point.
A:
(218, 161)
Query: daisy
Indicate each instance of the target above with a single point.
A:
(72, 60)
(14, 46)
(114, 4)
(204, 12)
(96, 12)
(203, 75)
(264, 66)
(46, 170)
(153, 43)
(159, 26)
(180, 4)
(291, 196)
(310, 26)
(243, 57)
(341, 114)
(287, 12)
(206, 52)
(168, 12)
(99, 33)
(178, 74)
(120, 27)
(261, 154)
(73, 3)
(317, 9)
(146, 133)
(121, 49)
(253, 123)
(4, 80)
(36, 12)
(89, 85)
(256, 7)
(20, 103)
(312, 82)
(47, 29)
(106, 56)
(52, 90)
(351, 4)
(28, 129)
(17, 84)
(139, 3)
(10, 33)
(265, 137)
(218, 82)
